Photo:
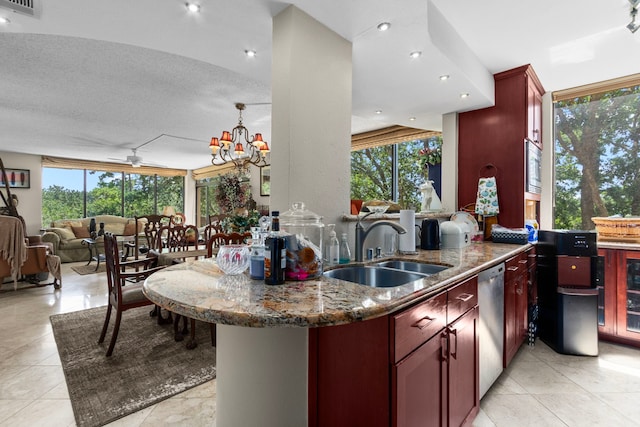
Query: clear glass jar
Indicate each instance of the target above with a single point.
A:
(303, 230)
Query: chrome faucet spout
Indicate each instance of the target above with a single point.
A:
(361, 234)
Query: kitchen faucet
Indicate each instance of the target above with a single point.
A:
(361, 233)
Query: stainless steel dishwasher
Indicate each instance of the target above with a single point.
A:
(491, 305)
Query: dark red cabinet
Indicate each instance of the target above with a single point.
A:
(418, 367)
(496, 136)
(516, 291)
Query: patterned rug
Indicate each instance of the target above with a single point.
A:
(147, 365)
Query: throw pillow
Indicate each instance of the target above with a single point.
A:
(64, 233)
(115, 228)
(81, 232)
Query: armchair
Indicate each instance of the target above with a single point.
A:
(22, 256)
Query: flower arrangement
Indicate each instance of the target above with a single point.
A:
(432, 151)
(241, 221)
(232, 193)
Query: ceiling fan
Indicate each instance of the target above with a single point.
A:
(135, 160)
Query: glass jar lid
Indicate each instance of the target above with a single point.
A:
(299, 214)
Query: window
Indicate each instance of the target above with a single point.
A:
(597, 153)
(396, 171)
(78, 193)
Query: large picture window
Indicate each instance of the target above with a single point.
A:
(597, 155)
(78, 193)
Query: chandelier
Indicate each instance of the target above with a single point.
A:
(632, 26)
(238, 147)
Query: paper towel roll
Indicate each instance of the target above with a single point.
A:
(407, 242)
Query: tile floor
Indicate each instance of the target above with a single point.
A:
(540, 388)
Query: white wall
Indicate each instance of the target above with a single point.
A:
(30, 200)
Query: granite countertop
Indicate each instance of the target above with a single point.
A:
(199, 290)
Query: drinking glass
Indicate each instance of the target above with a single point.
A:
(233, 259)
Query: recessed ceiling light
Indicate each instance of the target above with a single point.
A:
(415, 54)
(412, 119)
(378, 111)
(4, 20)
(444, 77)
(464, 95)
(250, 53)
(384, 26)
(193, 7)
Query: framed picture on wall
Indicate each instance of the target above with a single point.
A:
(265, 181)
(17, 178)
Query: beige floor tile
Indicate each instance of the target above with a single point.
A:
(193, 412)
(32, 383)
(586, 410)
(43, 413)
(8, 408)
(627, 404)
(518, 410)
(539, 377)
(482, 420)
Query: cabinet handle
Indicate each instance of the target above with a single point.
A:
(453, 332)
(444, 346)
(512, 268)
(464, 297)
(523, 261)
(519, 290)
(423, 323)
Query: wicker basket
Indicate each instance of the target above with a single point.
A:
(618, 229)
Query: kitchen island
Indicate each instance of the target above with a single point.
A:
(263, 347)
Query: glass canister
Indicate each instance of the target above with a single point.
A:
(303, 231)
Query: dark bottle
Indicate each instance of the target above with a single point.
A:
(275, 253)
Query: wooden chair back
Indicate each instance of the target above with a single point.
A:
(178, 237)
(219, 239)
(123, 297)
(150, 225)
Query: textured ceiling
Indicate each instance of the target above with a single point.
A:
(93, 80)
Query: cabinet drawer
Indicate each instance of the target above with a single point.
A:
(462, 298)
(574, 271)
(515, 266)
(417, 324)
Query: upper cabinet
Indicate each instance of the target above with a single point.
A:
(493, 141)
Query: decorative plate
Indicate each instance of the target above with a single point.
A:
(466, 218)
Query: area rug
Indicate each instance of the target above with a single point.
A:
(89, 269)
(147, 365)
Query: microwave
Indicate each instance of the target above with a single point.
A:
(534, 167)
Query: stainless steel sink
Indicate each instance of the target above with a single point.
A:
(376, 277)
(413, 266)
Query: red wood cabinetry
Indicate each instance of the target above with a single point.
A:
(496, 136)
(619, 296)
(418, 367)
(515, 305)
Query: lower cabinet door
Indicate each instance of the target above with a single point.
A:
(463, 384)
(419, 384)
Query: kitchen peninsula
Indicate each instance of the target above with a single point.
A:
(264, 353)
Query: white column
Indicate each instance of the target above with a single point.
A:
(450, 162)
(261, 376)
(311, 116)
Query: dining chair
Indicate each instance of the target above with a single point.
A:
(149, 226)
(121, 297)
(178, 238)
